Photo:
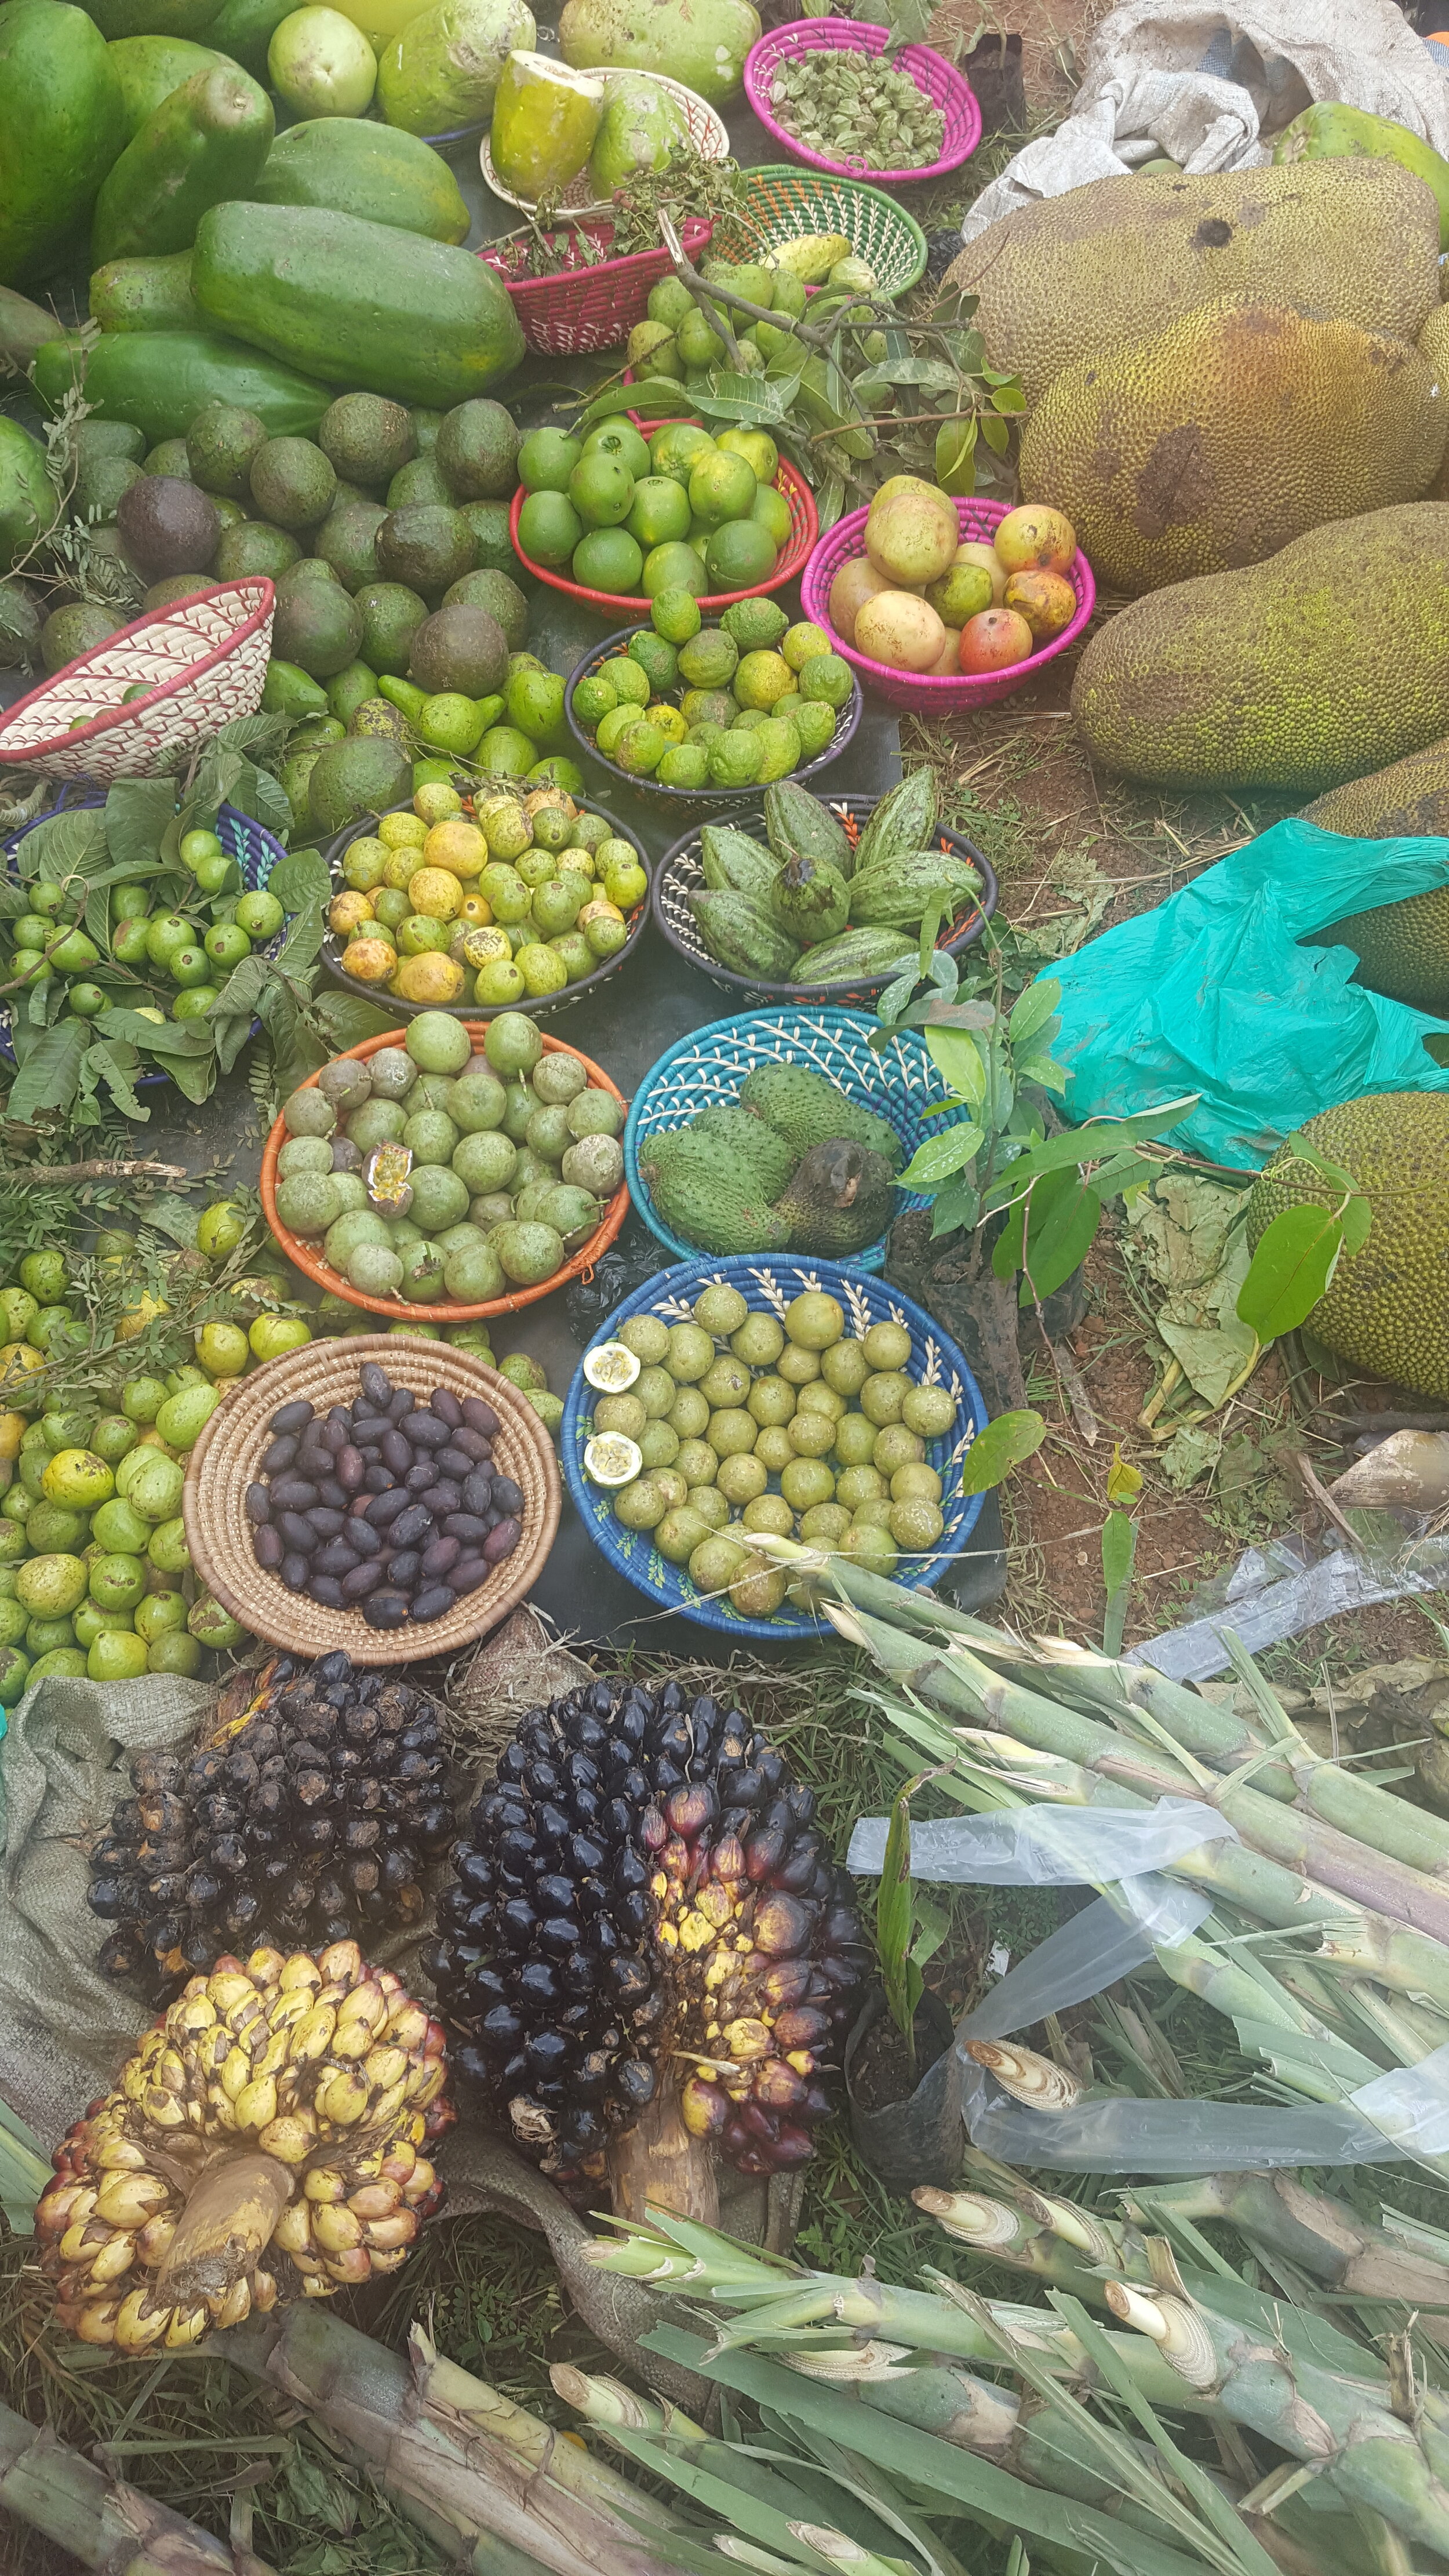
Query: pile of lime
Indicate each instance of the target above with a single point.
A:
(428, 1174)
(733, 705)
(634, 516)
(95, 1574)
(114, 952)
(744, 1422)
(517, 899)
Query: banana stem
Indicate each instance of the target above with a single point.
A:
(102, 2522)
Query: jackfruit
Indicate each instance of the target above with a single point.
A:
(1329, 131)
(1408, 801)
(1228, 435)
(1323, 663)
(1402, 948)
(1071, 277)
(806, 1109)
(1387, 1306)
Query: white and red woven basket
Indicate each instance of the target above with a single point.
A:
(202, 662)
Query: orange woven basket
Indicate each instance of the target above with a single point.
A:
(793, 554)
(307, 1257)
(201, 662)
(227, 1458)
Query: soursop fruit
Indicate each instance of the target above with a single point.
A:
(807, 1109)
(841, 1197)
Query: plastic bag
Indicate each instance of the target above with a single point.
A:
(1212, 993)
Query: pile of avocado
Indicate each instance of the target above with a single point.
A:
(792, 1165)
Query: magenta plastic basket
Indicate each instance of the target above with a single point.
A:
(944, 86)
(961, 690)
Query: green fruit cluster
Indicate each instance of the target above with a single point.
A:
(733, 705)
(632, 515)
(115, 952)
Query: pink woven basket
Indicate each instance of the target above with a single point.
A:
(944, 86)
(591, 304)
(201, 662)
(964, 690)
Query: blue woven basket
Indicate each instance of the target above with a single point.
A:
(709, 1067)
(767, 1282)
(243, 839)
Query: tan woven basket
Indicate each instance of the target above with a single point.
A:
(201, 661)
(227, 1458)
(703, 124)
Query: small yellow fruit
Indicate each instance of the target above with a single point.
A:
(436, 893)
(457, 846)
(138, 1316)
(402, 831)
(370, 960)
(476, 911)
(429, 978)
(12, 1432)
(346, 911)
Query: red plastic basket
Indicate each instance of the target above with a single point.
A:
(962, 690)
(944, 86)
(202, 661)
(592, 304)
(804, 529)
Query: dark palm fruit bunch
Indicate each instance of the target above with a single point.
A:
(644, 1897)
(308, 1817)
(387, 1505)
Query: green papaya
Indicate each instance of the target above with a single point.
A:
(24, 327)
(28, 500)
(1328, 131)
(370, 170)
(244, 29)
(149, 68)
(206, 142)
(162, 379)
(61, 127)
(144, 295)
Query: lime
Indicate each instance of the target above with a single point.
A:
(761, 678)
(640, 748)
(734, 761)
(657, 660)
(660, 511)
(628, 678)
(779, 748)
(259, 915)
(771, 511)
(549, 528)
(675, 614)
(601, 489)
(826, 679)
(801, 643)
(534, 701)
(593, 698)
(613, 726)
(618, 438)
(677, 448)
(608, 559)
(722, 487)
(758, 450)
(685, 764)
(669, 720)
(707, 706)
(546, 460)
(451, 722)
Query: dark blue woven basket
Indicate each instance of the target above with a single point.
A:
(708, 1067)
(241, 836)
(767, 1282)
(690, 800)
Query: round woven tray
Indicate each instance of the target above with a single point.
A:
(201, 661)
(943, 85)
(704, 801)
(308, 1256)
(707, 132)
(227, 1458)
(783, 201)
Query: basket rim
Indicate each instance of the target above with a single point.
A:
(794, 555)
(686, 797)
(121, 715)
(872, 1256)
(900, 216)
(306, 1260)
(760, 986)
(602, 205)
(739, 1269)
(546, 1004)
(249, 1602)
(837, 548)
(695, 231)
(854, 35)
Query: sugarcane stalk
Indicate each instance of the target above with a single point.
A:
(99, 2519)
(1322, 2236)
(1375, 2458)
(455, 2455)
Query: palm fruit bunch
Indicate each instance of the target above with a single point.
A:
(263, 2143)
(305, 1817)
(644, 1897)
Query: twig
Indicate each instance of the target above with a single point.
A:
(46, 953)
(55, 1174)
(1319, 1493)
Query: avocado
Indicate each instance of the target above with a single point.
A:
(391, 615)
(478, 450)
(307, 568)
(501, 597)
(364, 775)
(379, 717)
(424, 547)
(170, 458)
(167, 525)
(254, 548)
(220, 446)
(111, 438)
(806, 1109)
(69, 632)
(426, 426)
(459, 648)
(316, 625)
(492, 544)
(177, 585)
(347, 539)
(19, 627)
(99, 483)
(841, 1197)
(419, 481)
(292, 483)
(365, 438)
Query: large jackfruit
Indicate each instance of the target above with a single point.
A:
(1072, 277)
(1408, 801)
(1387, 1306)
(1402, 948)
(1228, 435)
(1324, 662)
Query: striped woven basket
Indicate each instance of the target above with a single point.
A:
(200, 662)
(784, 201)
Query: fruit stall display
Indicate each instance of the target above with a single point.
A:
(707, 710)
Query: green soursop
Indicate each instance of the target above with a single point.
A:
(806, 1109)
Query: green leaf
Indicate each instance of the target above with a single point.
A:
(176, 1218)
(164, 1037)
(829, 505)
(1358, 1217)
(958, 1058)
(995, 433)
(1090, 1144)
(1119, 1549)
(1004, 1444)
(939, 1156)
(137, 811)
(50, 1074)
(1036, 1006)
(347, 1021)
(1043, 1070)
(300, 881)
(1294, 1261)
(116, 1064)
(1058, 1244)
(955, 458)
(71, 844)
(958, 1204)
(893, 1915)
(1304, 1152)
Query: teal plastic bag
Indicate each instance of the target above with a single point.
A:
(1213, 993)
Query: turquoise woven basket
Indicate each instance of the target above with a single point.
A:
(707, 1068)
(767, 1283)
